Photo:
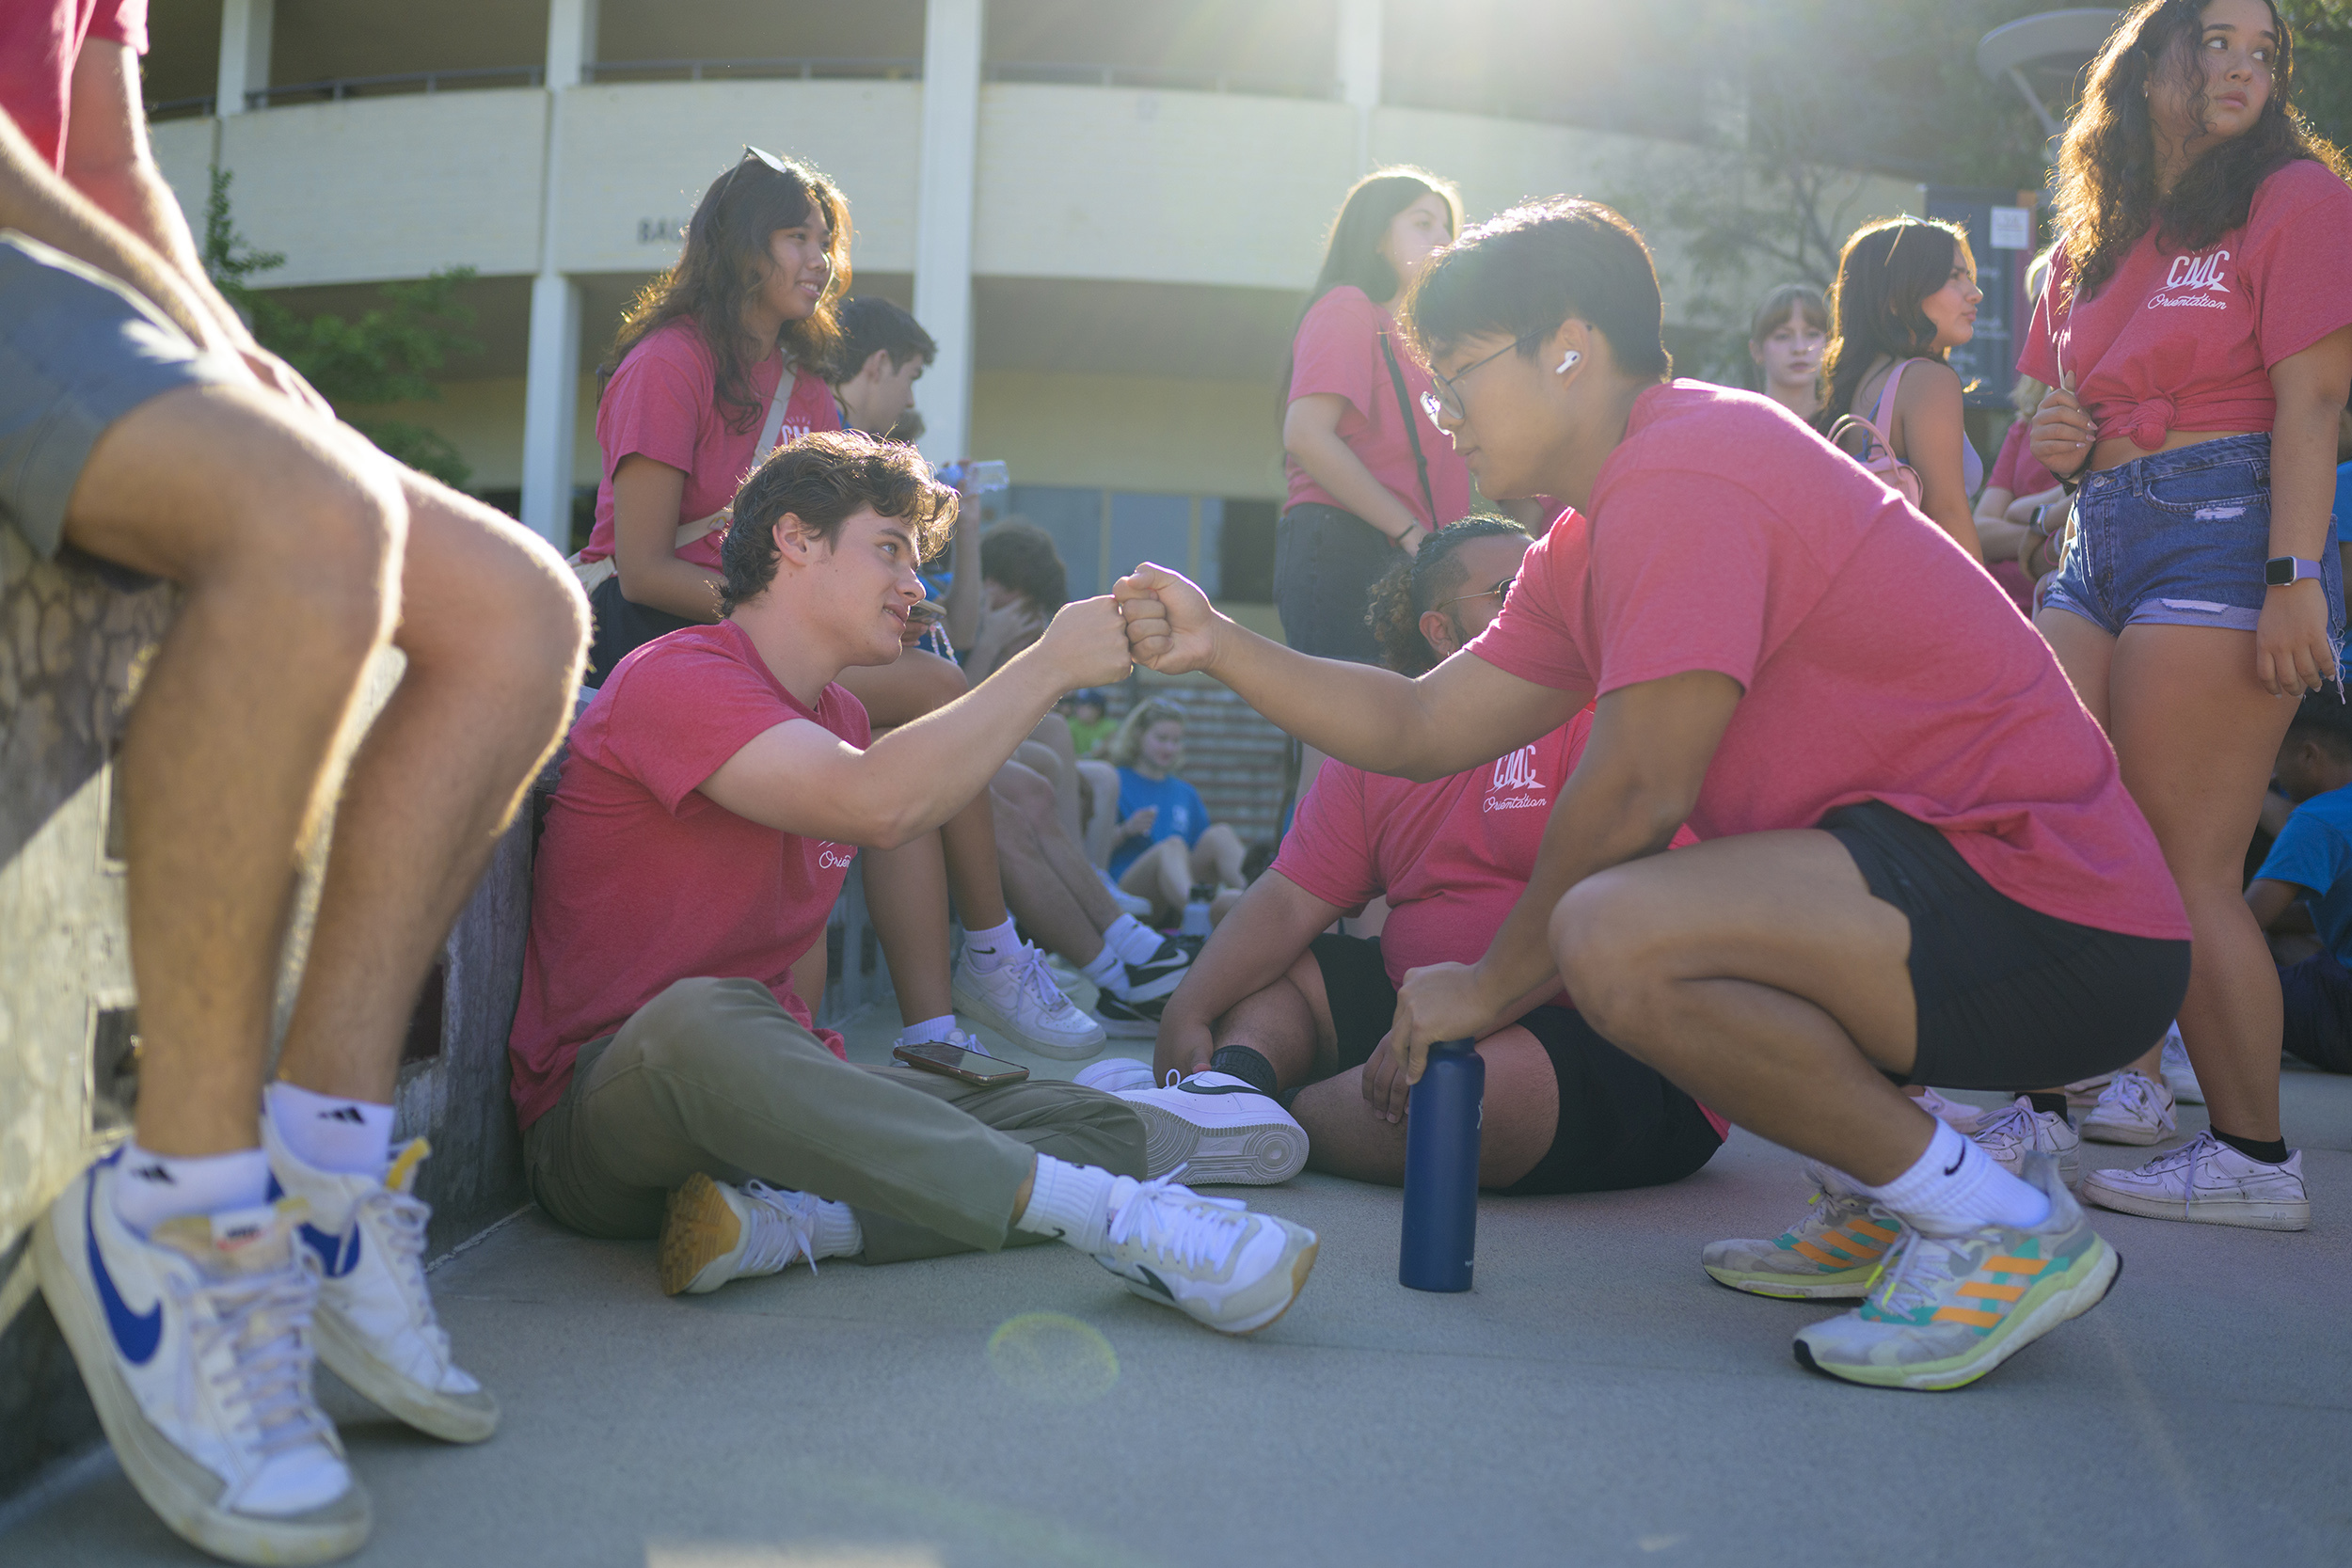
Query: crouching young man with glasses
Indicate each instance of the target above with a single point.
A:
(668, 1074)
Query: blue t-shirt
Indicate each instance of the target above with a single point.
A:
(2314, 853)
(2343, 503)
(1181, 815)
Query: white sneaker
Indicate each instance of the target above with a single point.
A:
(2011, 1134)
(376, 1327)
(1020, 1000)
(2084, 1093)
(2206, 1181)
(2179, 1076)
(2134, 1109)
(195, 1344)
(1959, 1117)
(1209, 1258)
(1118, 1074)
(712, 1233)
(1218, 1129)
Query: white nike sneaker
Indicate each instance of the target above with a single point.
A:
(2206, 1181)
(2133, 1109)
(1209, 1258)
(195, 1344)
(2179, 1076)
(2011, 1134)
(1961, 1119)
(1118, 1074)
(1020, 1000)
(376, 1327)
(712, 1233)
(2084, 1092)
(1218, 1129)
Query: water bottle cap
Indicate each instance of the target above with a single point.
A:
(1463, 1044)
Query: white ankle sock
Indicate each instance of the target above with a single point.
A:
(1956, 1187)
(350, 1137)
(1132, 940)
(929, 1029)
(151, 1188)
(837, 1233)
(1108, 970)
(1069, 1202)
(985, 950)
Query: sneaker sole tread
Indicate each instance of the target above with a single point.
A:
(1835, 1289)
(697, 1230)
(2066, 1303)
(165, 1478)
(1261, 1154)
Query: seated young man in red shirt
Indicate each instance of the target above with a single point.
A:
(1276, 1001)
(1917, 860)
(667, 1072)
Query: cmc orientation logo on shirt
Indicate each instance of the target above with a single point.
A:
(835, 857)
(2198, 278)
(1516, 772)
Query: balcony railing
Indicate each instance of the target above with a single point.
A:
(341, 88)
(885, 68)
(1259, 84)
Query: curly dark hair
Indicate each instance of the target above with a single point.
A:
(726, 259)
(822, 478)
(2106, 173)
(1412, 587)
(1887, 269)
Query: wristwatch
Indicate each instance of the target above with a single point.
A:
(2282, 570)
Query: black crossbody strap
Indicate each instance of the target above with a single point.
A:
(1412, 428)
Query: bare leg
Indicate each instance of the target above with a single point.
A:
(906, 895)
(1163, 874)
(1103, 820)
(2196, 736)
(283, 538)
(1217, 857)
(969, 840)
(493, 629)
(1289, 1023)
(1345, 1136)
(1760, 976)
(1036, 893)
(1052, 733)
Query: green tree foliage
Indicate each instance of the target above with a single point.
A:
(388, 355)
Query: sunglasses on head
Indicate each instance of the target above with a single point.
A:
(743, 163)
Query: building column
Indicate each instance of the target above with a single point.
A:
(1358, 70)
(552, 389)
(245, 39)
(952, 34)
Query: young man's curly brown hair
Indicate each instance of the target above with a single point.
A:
(1418, 584)
(823, 479)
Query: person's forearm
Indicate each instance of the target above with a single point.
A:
(1365, 716)
(136, 197)
(35, 201)
(1334, 465)
(966, 597)
(677, 587)
(1253, 946)
(2302, 477)
(922, 773)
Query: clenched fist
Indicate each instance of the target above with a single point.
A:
(1171, 627)
(1087, 644)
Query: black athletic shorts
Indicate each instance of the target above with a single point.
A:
(1621, 1125)
(2009, 998)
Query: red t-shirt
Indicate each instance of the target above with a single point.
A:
(1452, 856)
(1338, 351)
(663, 402)
(40, 44)
(2016, 471)
(642, 882)
(2186, 341)
(1878, 660)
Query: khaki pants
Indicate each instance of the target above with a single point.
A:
(713, 1076)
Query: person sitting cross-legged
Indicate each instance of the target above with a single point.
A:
(1272, 1006)
(668, 1076)
(2302, 895)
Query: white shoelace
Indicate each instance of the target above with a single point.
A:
(2017, 1123)
(1031, 973)
(2135, 1097)
(1917, 1272)
(2203, 1145)
(772, 1248)
(1177, 1222)
(264, 1322)
(405, 1220)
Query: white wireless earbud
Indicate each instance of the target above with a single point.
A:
(1569, 359)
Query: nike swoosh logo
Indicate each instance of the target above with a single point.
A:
(1154, 1281)
(137, 1334)
(1952, 1169)
(1243, 1088)
(338, 1255)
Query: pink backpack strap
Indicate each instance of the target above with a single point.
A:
(1885, 419)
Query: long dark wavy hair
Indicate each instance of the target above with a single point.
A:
(1884, 273)
(725, 261)
(1411, 588)
(2106, 174)
(1351, 255)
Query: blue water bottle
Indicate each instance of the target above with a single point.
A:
(1442, 1169)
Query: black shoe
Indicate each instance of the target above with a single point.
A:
(1154, 979)
(1130, 1019)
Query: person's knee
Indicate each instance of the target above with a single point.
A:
(1603, 941)
(318, 560)
(1024, 791)
(514, 609)
(692, 1029)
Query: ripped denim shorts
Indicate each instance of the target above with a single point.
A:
(2178, 538)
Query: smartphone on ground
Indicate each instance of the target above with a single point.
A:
(971, 1067)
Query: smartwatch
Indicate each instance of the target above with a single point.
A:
(2282, 570)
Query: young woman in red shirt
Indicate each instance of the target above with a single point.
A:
(2197, 327)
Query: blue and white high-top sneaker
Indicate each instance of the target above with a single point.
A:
(195, 1343)
(376, 1327)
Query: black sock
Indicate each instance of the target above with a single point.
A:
(2272, 1153)
(1246, 1064)
(2049, 1103)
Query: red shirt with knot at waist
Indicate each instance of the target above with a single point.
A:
(2186, 340)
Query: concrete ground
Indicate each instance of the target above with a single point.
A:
(1596, 1399)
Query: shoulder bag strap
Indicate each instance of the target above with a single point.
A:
(1412, 428)
(689, 532)
(1885, 416)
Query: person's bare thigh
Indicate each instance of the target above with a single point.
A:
(916, 683)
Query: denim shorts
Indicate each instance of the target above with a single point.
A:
(78, 350)
(2178, 539)
(1325, 563)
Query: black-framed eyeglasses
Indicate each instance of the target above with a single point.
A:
(1498, 593)
(1447, 396)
